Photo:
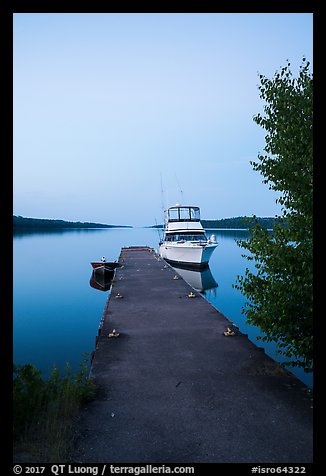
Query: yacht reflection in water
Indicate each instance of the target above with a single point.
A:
(101, 281)
(202, 280)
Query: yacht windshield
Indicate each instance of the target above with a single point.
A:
(183, 214)
(186, 237)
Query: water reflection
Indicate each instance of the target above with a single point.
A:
(228, 233)
(101, 281)
(201, 280)
(63, 306)
(25, 232)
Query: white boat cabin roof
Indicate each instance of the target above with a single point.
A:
(177, 205)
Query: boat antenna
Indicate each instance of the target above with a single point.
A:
(181, 191)
(162, 196)
(158, 231)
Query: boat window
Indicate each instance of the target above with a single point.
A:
(173, 214)
(194, 214)
(186, 237)
(183, 214)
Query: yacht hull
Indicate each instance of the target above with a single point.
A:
(196, 256)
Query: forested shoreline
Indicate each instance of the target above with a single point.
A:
(24, 222)
(239, 222)
(235, 223)
(46, 223)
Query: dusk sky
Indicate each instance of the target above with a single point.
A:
(107, 106)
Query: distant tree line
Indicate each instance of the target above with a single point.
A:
(238, 222)
(24, 222)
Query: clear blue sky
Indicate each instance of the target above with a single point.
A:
(106, 104)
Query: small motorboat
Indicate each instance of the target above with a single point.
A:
(104, 266)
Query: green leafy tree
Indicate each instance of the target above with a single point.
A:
(279, 292)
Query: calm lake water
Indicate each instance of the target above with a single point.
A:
(57, 312)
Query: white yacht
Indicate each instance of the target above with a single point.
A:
(184, 240)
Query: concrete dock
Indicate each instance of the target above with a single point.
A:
(174, 389)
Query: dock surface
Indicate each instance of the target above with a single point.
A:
(174, 389)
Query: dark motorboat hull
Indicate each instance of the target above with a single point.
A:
(101, 281)
(103, 267)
